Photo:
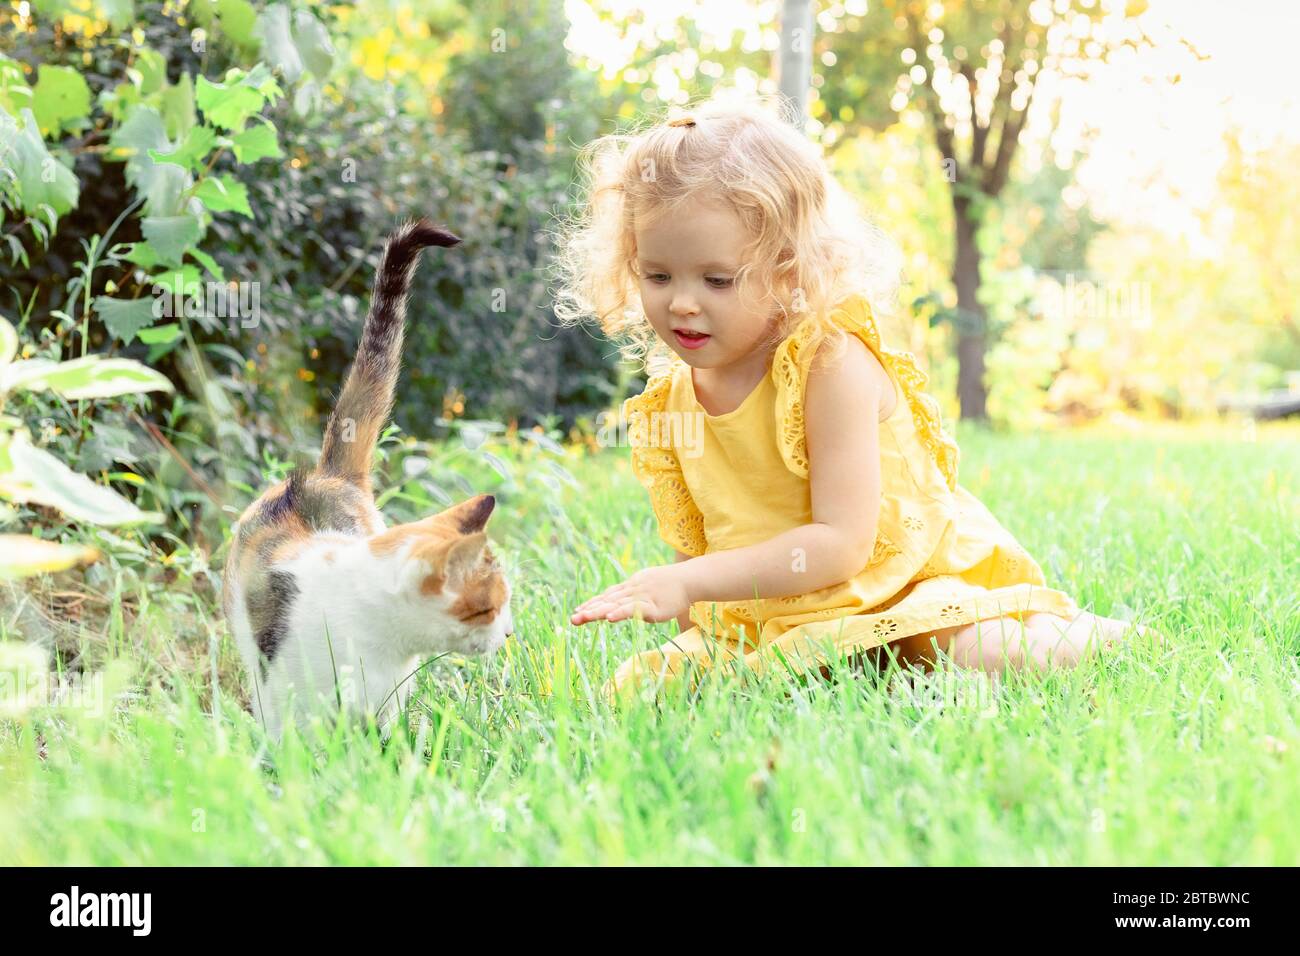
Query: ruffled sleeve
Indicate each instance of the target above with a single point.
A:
(790, 365)
(660, 472)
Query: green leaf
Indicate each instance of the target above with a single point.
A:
(166, 190)
(22, 556)
(91, 376)
(150, 71)
(176, 278)
(60, 98)
(141, 132)
(237, 20)
(15, 94)
(313, 43)
(177, 101)
(124, 318)
(119, 101)
(42, 179)
(191, 153)
(297, 47)
(119, 13)
(8, 344)
(260, 142)
(16, 251)
(209, 263)
(108, 445)
(259, 78)
(183, 281)
(171, 236)
(227, 106)
(37, 477)
(224, 194)
(277, 41)
(179, 292)
(161, 335)
(142, 255)
(203, 13)
(156, 352)
(306, 98)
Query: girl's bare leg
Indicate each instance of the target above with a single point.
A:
(995, 644)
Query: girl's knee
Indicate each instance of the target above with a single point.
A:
(988, 645)
(1067, 641)
(995, 644)
(1084, 634)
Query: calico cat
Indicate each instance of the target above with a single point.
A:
(330, 609)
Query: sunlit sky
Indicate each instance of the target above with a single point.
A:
(1157, 144)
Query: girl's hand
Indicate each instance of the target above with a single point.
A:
(653, 594)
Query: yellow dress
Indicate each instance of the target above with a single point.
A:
(718, 482)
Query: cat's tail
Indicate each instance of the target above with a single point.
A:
(367, 397)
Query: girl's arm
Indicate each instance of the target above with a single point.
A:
(842, 421)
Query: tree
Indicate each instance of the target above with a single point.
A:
(1260, 194)
(794, 70)
(972, 68)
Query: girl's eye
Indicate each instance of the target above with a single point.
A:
(657, 277)
(718, 282)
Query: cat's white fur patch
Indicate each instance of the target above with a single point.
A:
(357, 632)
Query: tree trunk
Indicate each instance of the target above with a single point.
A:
(794, 64)
(972, 322)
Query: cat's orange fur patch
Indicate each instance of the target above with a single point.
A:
(271, 543)
(433, 548)
(387, 542)
(481, 594)
(431, 539)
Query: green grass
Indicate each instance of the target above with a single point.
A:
(1182, 757)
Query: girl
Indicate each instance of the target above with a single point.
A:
(812, 505)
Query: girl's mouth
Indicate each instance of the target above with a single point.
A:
(691, 341)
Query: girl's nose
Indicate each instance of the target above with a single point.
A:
(683, 305)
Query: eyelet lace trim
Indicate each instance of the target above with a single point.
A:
(886, 623)
(790, 374)
(659, 471)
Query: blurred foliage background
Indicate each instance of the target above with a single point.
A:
(132, 152)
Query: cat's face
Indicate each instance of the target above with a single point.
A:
(451, 593)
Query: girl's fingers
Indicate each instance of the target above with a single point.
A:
(592, 610)
(603, 596)
(612, 606)
(591, 602)
(623, 611)
(602, 609)
(632, 609)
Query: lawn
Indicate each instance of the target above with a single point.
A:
(1182, 757)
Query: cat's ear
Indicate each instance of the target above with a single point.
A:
(430, 571)
(469, 516)
(464, 556)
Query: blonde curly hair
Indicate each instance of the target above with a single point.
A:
(811, 250)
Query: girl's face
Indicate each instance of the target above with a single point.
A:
(687, 264)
